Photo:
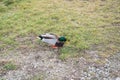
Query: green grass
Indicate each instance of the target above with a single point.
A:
(2, 79)
(37, 77)
(5, 66)
(84, 23)
(9, 66)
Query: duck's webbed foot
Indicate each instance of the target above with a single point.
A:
(54, 47)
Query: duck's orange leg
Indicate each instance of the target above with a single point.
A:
(54, 47)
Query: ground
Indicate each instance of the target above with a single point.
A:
(44, 65)
(92, 51)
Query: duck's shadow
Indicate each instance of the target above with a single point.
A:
(47, 47)
(57, 51)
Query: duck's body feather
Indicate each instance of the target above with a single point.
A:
(50, 41)
(53, 39)
(49, 38)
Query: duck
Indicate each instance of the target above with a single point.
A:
(52, 39)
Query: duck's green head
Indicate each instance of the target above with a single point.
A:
(62, 39)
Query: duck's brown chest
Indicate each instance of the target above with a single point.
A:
(59, 44)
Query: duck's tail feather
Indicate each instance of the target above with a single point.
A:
(41, 37)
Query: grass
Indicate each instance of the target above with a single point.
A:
(2, 79)
(84, 23)
(5, 66)
(9, 66)
(37, 77)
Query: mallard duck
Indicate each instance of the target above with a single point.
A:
(52, 39)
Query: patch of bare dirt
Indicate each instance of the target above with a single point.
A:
(44, 61)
